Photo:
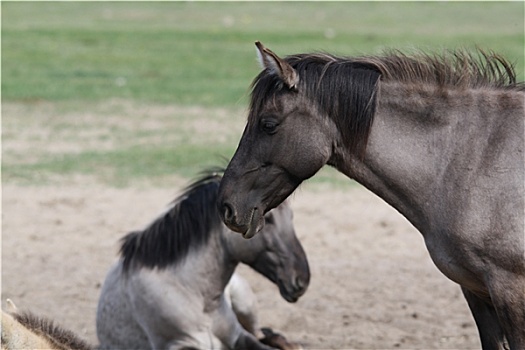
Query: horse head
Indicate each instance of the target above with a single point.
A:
(273, 158)
(276, 253)
(302, 109)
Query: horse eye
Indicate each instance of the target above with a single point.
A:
(269, 126)
(269, 219)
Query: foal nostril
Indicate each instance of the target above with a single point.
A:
(300, 283)
(227, 212)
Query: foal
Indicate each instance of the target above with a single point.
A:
(167, 290)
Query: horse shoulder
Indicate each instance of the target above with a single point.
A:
(163, 301)
(116, 322)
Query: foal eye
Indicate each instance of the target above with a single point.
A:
(269, 220)
(269, 126)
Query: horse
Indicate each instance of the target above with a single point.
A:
(25, 330)
(439, 137)
(167, 289)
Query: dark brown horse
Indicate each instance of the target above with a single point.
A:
(438, 137)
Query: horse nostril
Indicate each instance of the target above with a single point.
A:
(227, 212)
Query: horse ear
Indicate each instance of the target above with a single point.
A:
(11, 307)
(276, 65)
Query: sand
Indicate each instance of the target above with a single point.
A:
(373, 284)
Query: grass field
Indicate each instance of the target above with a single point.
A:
(136, 91)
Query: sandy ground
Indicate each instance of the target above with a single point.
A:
(373, 284)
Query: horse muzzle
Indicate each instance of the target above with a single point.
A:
(234, 222)
(292, 292)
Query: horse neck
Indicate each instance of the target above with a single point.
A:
(415, 135)
(212, 264)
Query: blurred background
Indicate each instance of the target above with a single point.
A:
(109, 108)
(142, 91)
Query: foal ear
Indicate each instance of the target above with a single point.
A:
(276, 65)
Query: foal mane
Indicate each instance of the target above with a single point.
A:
(61, 338)
(345, 88)
(185, 226)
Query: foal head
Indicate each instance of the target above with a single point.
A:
(192, 221)
(275, 253)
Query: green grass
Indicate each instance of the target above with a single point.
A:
(203, 53)
(119, 167)
(76, 56)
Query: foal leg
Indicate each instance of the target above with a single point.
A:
(229, 331)
(490, 331)
(244, 304)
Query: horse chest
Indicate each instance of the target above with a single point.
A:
(454, 262)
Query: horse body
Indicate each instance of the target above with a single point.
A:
(152, 309)
(440, 156)
(468, 204)
(475, 239)
(441, 141)
(182, 299)
(158, 309)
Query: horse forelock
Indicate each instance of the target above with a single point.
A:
(186, 226)
(61, 338)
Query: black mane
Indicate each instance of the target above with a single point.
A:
(345, 88)
(184, 227)
(342, 89)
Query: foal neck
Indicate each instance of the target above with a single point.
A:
(213, 261)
